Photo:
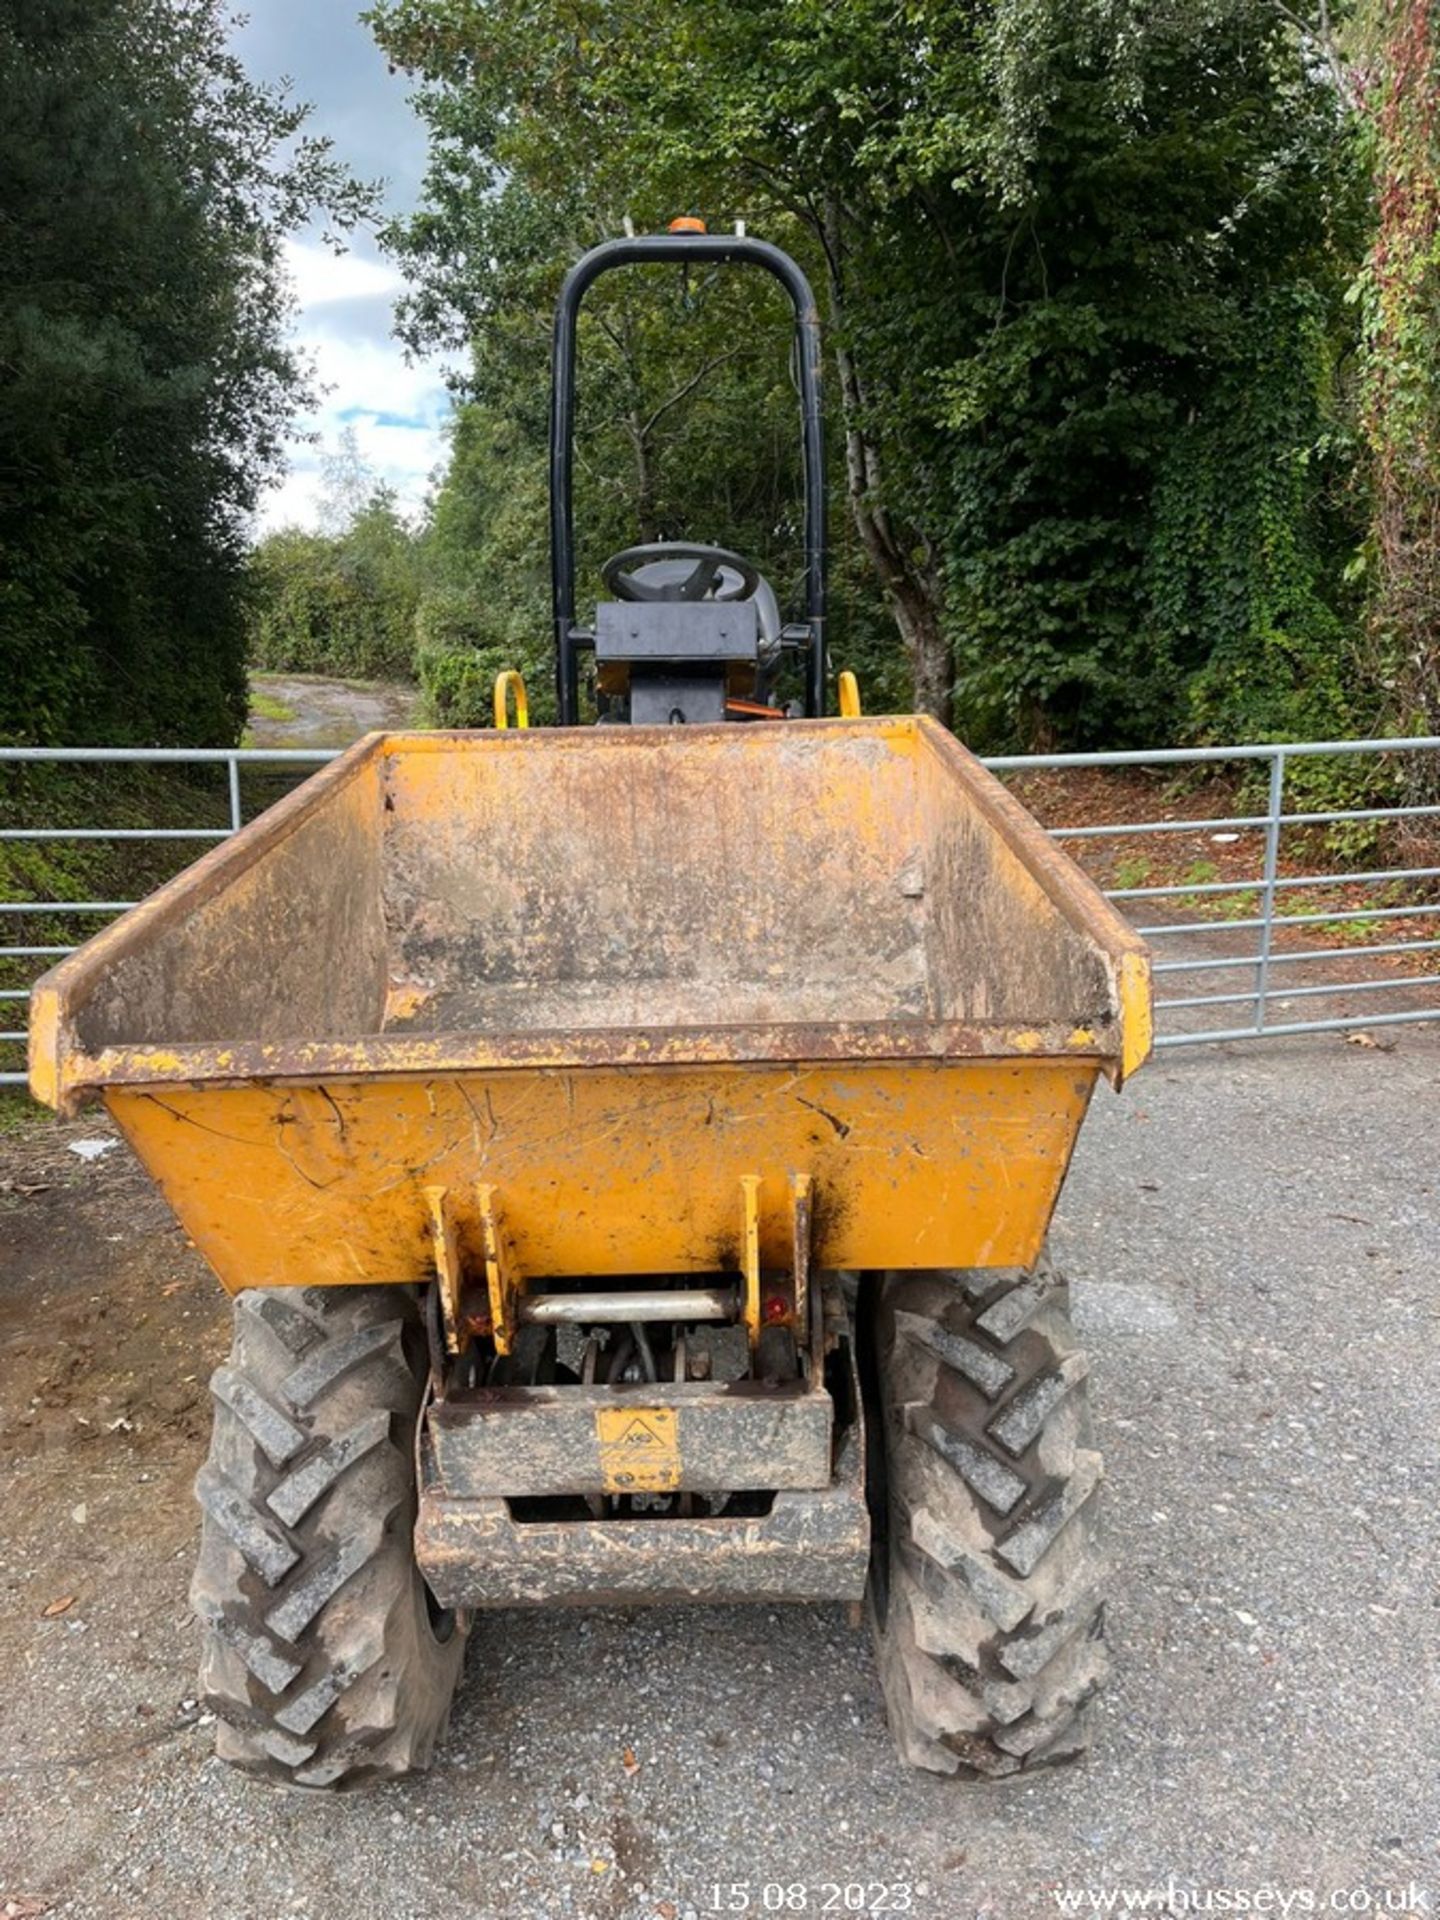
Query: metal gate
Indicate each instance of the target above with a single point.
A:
(1269, 947)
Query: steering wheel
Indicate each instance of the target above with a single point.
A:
(675, 570)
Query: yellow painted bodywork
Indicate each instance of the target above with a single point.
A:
(519, 1004)
(914, 1164)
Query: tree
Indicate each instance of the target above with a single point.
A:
(146, 185)
(1047, 234)
(1397, 79)
(348, 483)
(341, 603)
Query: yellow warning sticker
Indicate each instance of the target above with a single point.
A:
(639, 1449)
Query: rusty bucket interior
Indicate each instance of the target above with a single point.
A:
(728, 892)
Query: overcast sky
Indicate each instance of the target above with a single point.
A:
(346, 304)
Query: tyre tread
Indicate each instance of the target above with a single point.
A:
(990, 1625)
(319, 1661)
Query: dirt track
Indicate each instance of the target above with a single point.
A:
(1253, 1235)
(324, 712)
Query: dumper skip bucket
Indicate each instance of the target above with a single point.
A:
(604, 977)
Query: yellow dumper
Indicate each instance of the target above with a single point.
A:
(631, 1149)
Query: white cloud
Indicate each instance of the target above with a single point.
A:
(398, 410)
(321, 278)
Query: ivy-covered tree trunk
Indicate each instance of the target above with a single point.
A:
(1402, 364)
(927, 646)
(911, 584)
(911, 589)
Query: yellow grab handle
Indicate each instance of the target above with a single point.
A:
(505, 684)
(849, 696)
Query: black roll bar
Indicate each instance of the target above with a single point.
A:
(679, 249)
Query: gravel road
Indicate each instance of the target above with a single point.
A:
(1253, 1236)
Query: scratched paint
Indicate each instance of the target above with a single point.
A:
(630, 1171)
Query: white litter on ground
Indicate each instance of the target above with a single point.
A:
(93, 1149)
